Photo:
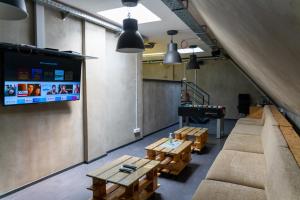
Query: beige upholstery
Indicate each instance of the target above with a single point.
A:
(237, 167)
(244, 142)
(216, 190)
(283, 176)
(250, 121)
(247, 129)
(269, 116)
(283, 173)
(255, 163)
(272, 137)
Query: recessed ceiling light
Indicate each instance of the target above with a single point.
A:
(181, 51)
(153, 54)
(190, 50)
(140, 12)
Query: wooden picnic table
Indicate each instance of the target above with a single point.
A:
(197, 135)
(109, 183)
(172, 160)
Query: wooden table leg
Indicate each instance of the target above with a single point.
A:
(152, 176)
(132, 192)
(183, 137)
(178, 136)
(99, 189)
(151, 154)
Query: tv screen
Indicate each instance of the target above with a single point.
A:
(32, 79)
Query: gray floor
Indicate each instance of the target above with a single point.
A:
(71, 185)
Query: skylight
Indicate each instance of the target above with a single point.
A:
(181, 51)
(190, 50)
(140, 12)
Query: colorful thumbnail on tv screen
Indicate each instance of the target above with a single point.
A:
(40, 79)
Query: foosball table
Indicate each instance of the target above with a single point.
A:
(205, 111)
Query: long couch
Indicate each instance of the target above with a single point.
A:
(254, 164)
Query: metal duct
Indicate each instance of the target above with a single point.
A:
(181, 11)
(78, 13)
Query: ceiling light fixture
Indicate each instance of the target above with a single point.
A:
(193, 63)
(140, 12)
(129, 3)
(172, 56)
(13, 9)
(190, 50)
(130, 40)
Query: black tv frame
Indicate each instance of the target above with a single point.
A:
(28, 49)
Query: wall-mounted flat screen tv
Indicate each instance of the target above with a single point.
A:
(30, 79)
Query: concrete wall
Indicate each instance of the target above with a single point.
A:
(38, 140)
(20, 32)
(160, 71)
(262, 36)
(161, 100)
(94, 37)
(221, 79)
(224, 82)
(112, 77)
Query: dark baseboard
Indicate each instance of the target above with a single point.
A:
(97, 158)
(161, 129)
(37, 181)
(140, 138)
(124, 145)
(85, 162)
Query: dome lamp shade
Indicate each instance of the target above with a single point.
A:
(13, 9)
(130, 3)
(172, 56)
(130, 40)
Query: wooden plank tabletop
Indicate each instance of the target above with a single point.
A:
(155, 144)
(203, 130)
(115, 170)
(189, 129)
(108, 166)
(182, 147)
(194, 131)
(117, 177)
(158, 148)
(181, 130)
(110, 172)
(140, 172)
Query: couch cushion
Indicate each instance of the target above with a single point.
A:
(216, 190)
(269, 116)
(271, 137)
(247, 129)
(244, 142)
(283, 174)
(238, 167)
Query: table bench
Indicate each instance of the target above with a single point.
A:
(197, 135)
(172, 160)
(110, 183)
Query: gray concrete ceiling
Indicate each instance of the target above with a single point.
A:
(155, 31)
(264, 38)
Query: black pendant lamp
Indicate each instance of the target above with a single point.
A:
(13, 9)
(193, 63)
(172, 56)
(130, 3)
(130, 40)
